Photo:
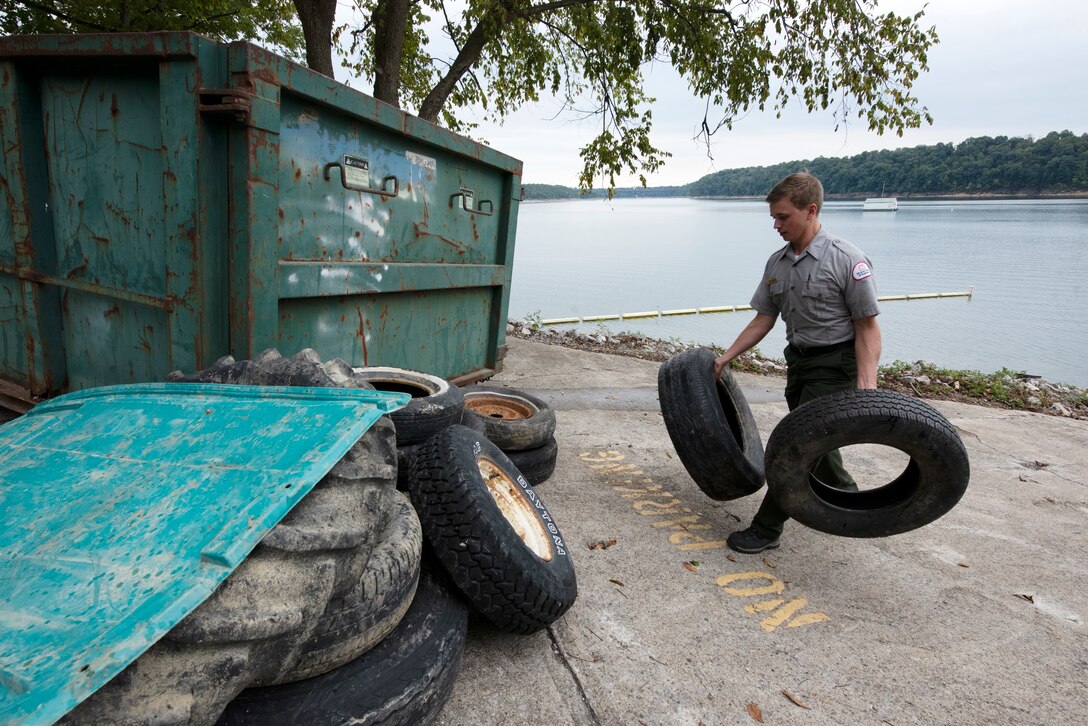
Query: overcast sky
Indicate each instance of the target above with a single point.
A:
(1002, 68)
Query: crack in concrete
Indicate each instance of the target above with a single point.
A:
(589, 716)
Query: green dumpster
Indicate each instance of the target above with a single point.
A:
(167, 200)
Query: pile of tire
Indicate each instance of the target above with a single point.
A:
(481, 517)
(338, 614)
(714, 432)
(523, 426)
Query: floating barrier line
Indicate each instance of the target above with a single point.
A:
(968, 293)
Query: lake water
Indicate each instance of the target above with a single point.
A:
(1026, 260)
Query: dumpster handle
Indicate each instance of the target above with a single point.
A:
(380, 191)
(466, 199)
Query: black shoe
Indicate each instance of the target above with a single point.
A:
(750, 541)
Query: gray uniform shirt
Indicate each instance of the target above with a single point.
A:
(820, 294)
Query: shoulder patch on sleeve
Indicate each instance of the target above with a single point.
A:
(861, 271)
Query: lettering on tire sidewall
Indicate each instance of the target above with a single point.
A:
(545, 517)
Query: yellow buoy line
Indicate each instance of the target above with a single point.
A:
(968, 293)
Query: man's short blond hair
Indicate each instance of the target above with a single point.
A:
(801, 188)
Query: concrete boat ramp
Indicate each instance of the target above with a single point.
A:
(977, 618)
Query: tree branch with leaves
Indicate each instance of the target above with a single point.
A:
(842, 55)
(487, 58)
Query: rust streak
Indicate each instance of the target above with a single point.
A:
(76, 270)
(362, 334)
(145, 342)
(446, 240)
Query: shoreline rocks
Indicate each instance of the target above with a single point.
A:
(1002, 389)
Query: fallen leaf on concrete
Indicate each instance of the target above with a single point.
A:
(1022, 478)
(594, 659)
(794, 699)
(1049, 499)
(755, 713)
(963, 564)
(731, 558)
(769, 564)
(601, 545)
(689, 566)
(1026, 595)
(668, 454)
(616, 582)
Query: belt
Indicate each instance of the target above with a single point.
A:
(809, 351)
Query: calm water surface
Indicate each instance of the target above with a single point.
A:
(1026, 260)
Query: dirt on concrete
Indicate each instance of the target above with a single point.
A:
(976, 618)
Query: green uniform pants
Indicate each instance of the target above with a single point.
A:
(808, 378)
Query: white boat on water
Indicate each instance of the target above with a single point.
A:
(880, 204)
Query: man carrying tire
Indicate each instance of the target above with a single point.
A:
(823, 288)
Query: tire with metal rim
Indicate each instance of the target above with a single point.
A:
(436, 403)
(491, 532)
(405, 679)
(513, 420)
(536, 464)
(932, 483)
(711, 425)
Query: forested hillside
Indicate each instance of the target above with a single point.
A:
(1053, 165)
(543, 192)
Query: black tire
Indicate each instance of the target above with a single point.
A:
(516, 572)
(436, 403)
(405, 454)
(711, 425)
(474, 422)
(513, 420)
(356, 622)
(407, 451)
(536, 464)
(405, 679)
(931, 484)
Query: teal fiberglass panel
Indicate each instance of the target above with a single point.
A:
(122, 508)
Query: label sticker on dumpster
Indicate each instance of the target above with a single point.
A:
(420, 160)
(356, 171)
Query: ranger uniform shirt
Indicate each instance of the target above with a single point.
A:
(819, 294)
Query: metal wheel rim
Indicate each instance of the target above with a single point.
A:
(500, 407)
(515, 508)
